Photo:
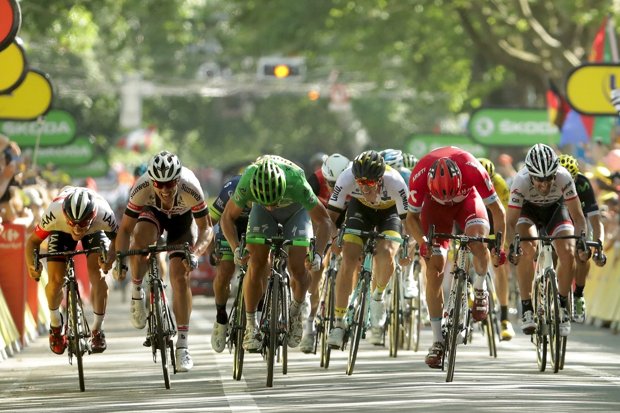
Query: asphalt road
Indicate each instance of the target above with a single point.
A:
(125, 379)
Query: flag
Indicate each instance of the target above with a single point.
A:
(581, 128)
(557, 106)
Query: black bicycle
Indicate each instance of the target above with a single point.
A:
(325, 318)
(161, 328)
(457, 315)
(77, 329)
(274, 322)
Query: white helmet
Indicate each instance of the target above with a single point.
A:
(393, 157)
(164, 167)
(333, 166)
(541, 161)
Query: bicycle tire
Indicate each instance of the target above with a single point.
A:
(359, 318)
(74, 333)
(273, 328)
(238, 331)
(284, 299)
(170, 331)
(569, 305)
(553, 311)
(491, 323)
(454, 321)
(417, 308)
(160, 335)
(327, 320)
(539, 338)
(394, 327)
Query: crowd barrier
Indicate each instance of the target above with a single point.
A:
(602, 293)
(24, 313)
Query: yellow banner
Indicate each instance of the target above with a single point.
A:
(588, 88)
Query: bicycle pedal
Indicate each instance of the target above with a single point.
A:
(147, 342)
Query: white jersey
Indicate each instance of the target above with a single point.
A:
(393, 191)
(54, 219)
(523, 190)
(189, 196)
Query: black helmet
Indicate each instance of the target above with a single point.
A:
(369, 165)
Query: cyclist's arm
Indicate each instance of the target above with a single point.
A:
(598, 230)
(512, 216)
(413, 226)
(125, 229)
(324, 226)
(574, 208)
(33, 242)
(499, 216)
(232, 211)
(205, 234)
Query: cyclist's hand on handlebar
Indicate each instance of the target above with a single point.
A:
(241, 258)
(513, 256)
(498, 257)
(600, 259)
(105, 265)
(426, 250)
(33, 273)
(316, 264)
(192, 264)
(120, 270)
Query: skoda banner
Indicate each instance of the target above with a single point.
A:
(79, 152)
(420, 145)
(512, 127)
(96, 168)
(56, 128)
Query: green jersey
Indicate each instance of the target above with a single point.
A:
(298, 189)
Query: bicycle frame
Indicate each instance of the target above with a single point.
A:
(77, 328)
(325, 318)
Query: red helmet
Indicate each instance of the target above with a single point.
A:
(444, 179)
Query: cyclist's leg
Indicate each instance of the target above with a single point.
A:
(525, 270)
(579, 303)
(145, 233)
(98, 291)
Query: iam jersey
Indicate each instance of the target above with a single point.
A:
(393, 192)
(473, 175)
(189, 196)
(53, 219)
(297, 187)
(522, 190)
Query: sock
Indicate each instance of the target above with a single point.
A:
(250, 318)
(55, 318)
(436, 327)
(526, 305)
(182, 333)
(480, 282)
(221, 317)
(579, 290)
(309, 327)
(295, 306)
(563, 300)
(136, 291)
(339, 313)
(98, 321)
(377, 294)
(503, 313)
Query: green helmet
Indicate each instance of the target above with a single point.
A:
(570, 163)
(268, 182)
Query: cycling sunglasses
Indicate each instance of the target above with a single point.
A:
(165, 185)
(367, 182)
(546, 179)
(82, 224)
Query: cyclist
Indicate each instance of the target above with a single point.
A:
(378, 200)
(409, 161)
(224, 264)
(590, 209)
(449, 186)
(76, 214)
(322, 182)
(502, 272)
(543, 195)
(280, 194)
(167, 197)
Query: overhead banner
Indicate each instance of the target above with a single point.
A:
(512, 127)
(420, 145)
(78, 152)
(589, 86)
(57, 128)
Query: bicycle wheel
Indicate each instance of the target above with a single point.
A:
(272, 339)
(394, 330)
(540, 337)
(160, 333)
(490, 325)
(170, 331)
(77, 346)
(327, 319)
(357, 324)
(563, 340)
(238, 330)
(553, 320)
(285, 299)
(415, 323)
(455, 323)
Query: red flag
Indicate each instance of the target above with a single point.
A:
(557, 106)
(597, 53)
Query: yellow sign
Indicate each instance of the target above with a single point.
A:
(588, 88)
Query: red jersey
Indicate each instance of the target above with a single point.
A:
(473, 175)
(324, 189)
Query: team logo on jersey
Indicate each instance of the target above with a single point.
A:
(192, 192)
(47, 219)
